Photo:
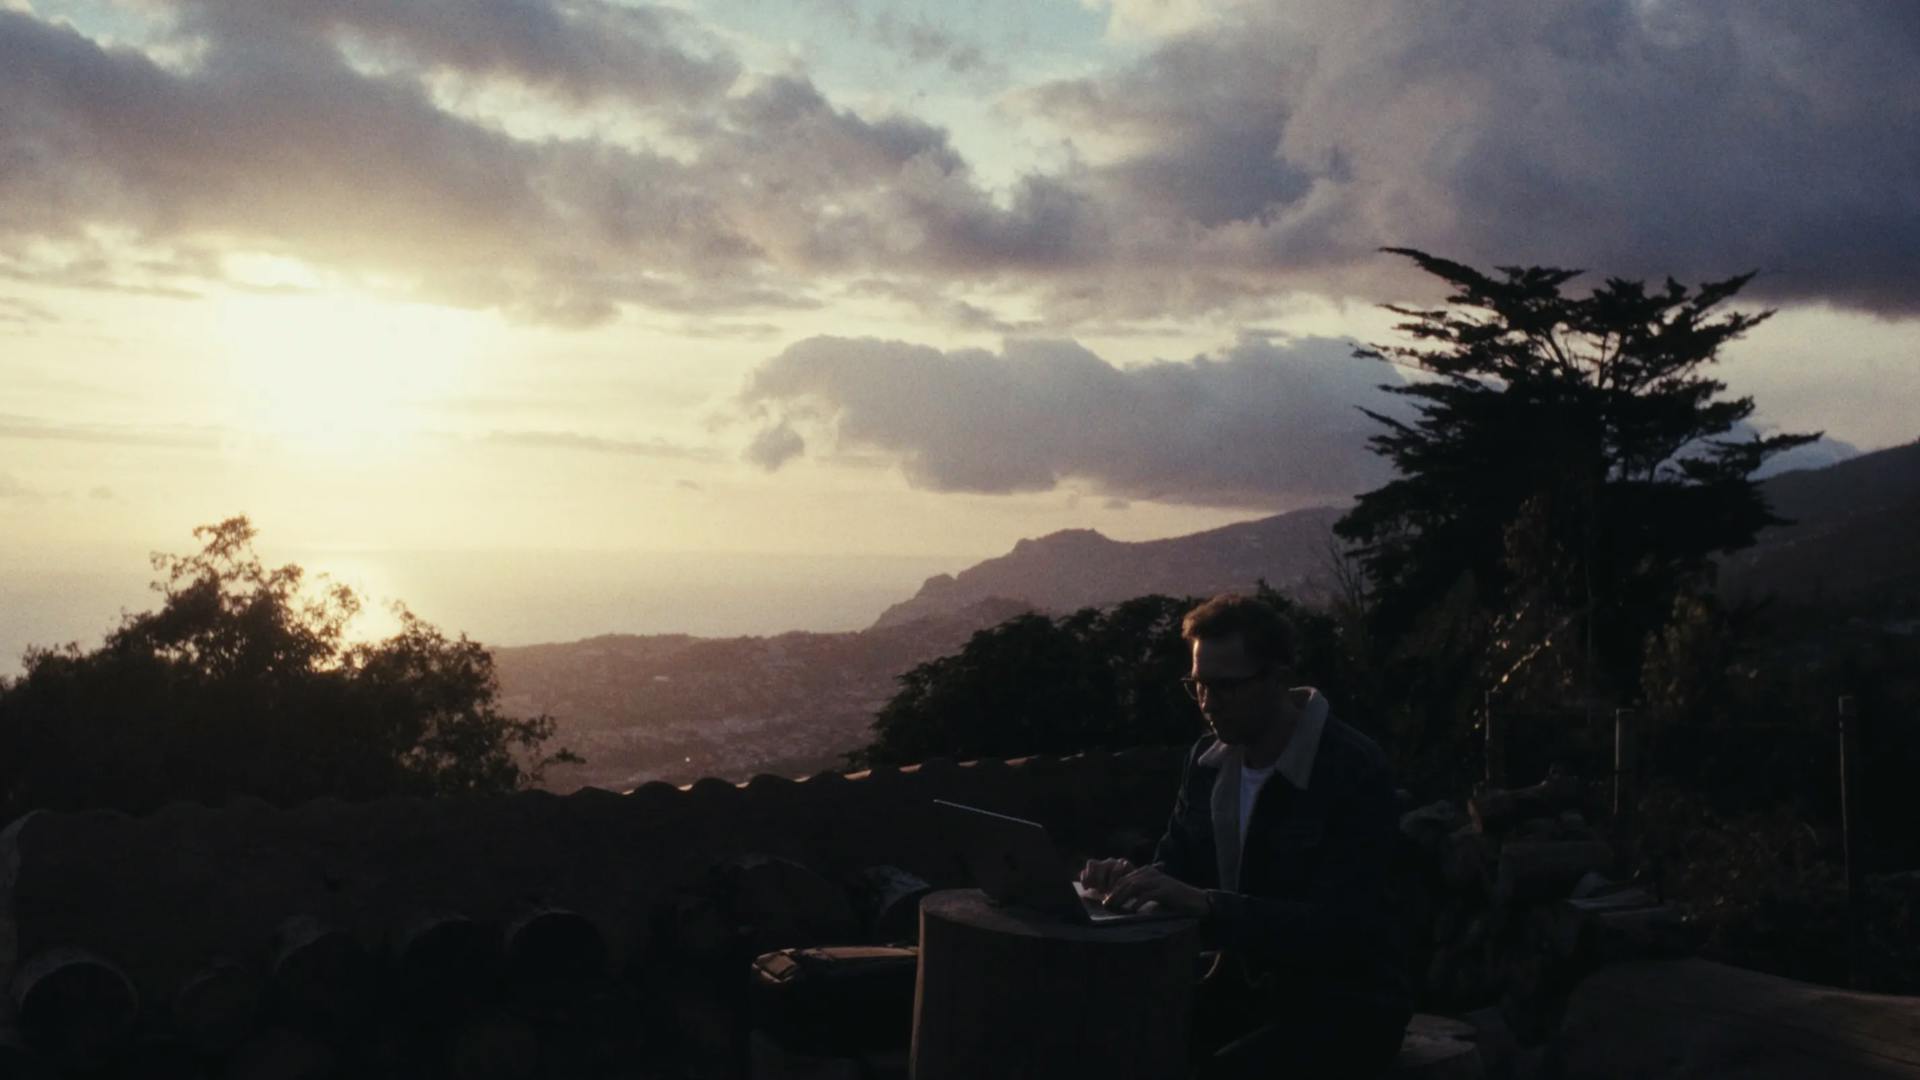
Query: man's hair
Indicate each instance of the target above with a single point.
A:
(1269, 635)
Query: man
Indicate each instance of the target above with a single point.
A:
(1280, 841)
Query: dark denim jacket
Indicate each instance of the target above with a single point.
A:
(1312, 902)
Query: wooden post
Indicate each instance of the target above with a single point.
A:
(1005, 992)
(1849, 753)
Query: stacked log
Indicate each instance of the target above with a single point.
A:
(1520, 900)
(218, 1007)
(76, 1009)
(450, 997)
(321, 977)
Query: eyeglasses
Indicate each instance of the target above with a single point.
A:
(1218, 684)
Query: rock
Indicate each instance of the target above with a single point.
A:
(1639, 933)
(887, 901)
(1496, 810)
(1546, 870)
(1573, 920)
(1594, 883)
(1430, 826)
(1495, 1041)
(1436, 1057)
(1694, 1018)
(1467, 857)
(775, 903)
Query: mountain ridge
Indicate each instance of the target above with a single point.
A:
(678, 707)
(1076, 568)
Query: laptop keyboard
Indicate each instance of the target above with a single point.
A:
(1099, 912)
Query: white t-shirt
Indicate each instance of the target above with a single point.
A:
(1250, 783)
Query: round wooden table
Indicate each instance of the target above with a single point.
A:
(1007, 992)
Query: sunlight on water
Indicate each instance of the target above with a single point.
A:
(512, 598)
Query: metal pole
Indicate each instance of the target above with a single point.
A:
(1623, 762)
(1486, 720)
(1848, 754)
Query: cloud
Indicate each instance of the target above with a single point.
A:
(277, 143)
(33, 428)
(21, 313)
(1279, 146)
(920, 42)
(1257, 425)
(573, 440)
(775, 445)
(1244, 151)
(11, 487)
(582, 49)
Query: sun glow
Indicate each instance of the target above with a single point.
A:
(337, 373)
(370, 580)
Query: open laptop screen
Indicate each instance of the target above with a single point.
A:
(1014, 861)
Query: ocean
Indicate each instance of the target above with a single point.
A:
(510, 597)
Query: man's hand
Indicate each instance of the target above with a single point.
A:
(1100, 875)
(1150, 884)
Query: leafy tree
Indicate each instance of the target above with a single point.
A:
(1568, 472)
(243, 683)
(1024, 686)
(1094, 679)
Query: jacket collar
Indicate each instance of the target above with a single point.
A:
(1303, 746)
(1295, 763)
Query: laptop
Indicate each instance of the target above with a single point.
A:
(1014, 862)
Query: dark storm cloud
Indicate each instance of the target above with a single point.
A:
(1258, 425)
(1274, 150)
(1642, 137)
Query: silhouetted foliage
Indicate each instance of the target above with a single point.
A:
(1094, 679)
(241, 683)
(1741, 706)
(1570, 470)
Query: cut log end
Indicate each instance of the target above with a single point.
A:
(75, 1008)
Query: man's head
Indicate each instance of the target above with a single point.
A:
(1243, 653)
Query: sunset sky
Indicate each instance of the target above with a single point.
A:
(562, 317)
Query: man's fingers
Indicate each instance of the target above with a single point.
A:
(1131, 886)
(1102, 873)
